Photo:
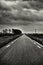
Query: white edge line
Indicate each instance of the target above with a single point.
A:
(35, 42)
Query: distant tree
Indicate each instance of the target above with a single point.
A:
(16, 31)
(5, 31)
(9, 30)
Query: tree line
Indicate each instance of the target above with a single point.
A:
(13, 31)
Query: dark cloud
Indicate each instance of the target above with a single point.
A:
(19, 14)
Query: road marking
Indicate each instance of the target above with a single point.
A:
(8, 46)
(38, 46)
(36, 43)
(11, 43)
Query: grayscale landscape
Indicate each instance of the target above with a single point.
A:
(21, 32)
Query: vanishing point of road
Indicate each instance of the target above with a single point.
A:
(22, 51)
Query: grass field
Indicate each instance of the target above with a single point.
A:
(36, 37)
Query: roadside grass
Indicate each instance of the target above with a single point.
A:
(36, 37)
(5, 39)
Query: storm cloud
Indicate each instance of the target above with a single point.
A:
(16, 12)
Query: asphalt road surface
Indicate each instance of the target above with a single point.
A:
(22, 51)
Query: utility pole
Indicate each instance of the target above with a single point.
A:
(35, 31)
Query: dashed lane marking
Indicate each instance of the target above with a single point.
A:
(7, 45)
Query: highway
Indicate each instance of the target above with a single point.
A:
(22, 51)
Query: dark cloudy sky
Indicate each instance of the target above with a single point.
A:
(24, 15)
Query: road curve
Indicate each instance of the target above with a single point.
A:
(23, 51)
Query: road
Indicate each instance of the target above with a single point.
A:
(22, 51)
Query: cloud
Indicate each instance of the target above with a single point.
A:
(12, 12)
